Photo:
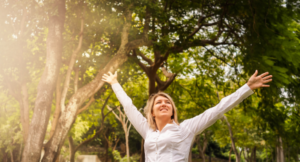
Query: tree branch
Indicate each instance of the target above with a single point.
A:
(200, 20)
(166, 73)
(57, 106)
(138, 52)
(168, 82)
(88, 140)
(76, 79)
(158, 81)
(86, 106)
(219, 58)
(195, 43)
(23, 21)
(146, 25)
(129, 127)
(71, 64)
(143, 66)
(116, 115)
(138, 43)
(101, 127)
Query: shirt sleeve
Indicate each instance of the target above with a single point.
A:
(135, 117)
(210, 116)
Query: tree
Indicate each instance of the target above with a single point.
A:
(42, 110)
(126, 127)
(15, 31)
(73, 148)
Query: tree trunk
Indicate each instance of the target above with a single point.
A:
(142, 156)
(190, 153)
(279, 151)
(25, 111)
(11, 156)
(14, 89)
(107, 145)
(42, 110)
(202, 156)
(106, 148)
(122, 118)
(267, 159)
(71, 149)
(253, 154)
(20, 152)
(240, 154)
(201, 151)
(5, 157)
(202, 148)
(127, 145)
(22, 87)
(57, 106)
(246, 155)
(68, 113)
(238, 157)
(230, 155)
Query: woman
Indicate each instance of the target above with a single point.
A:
(165, 139)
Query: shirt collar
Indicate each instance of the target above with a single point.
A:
(169, 126)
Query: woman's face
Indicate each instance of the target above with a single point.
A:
(162, 107)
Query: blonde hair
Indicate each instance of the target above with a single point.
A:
(148, 110)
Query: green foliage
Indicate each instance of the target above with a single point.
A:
(117, 156)
(11, 137)
(261, 35)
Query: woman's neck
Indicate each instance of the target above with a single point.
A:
(161, 123)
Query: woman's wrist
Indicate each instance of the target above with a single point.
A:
(114, 82)
(251, 86)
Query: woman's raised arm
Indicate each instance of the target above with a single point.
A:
(199, 123)
(134, 116)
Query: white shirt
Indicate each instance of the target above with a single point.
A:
(173, 143)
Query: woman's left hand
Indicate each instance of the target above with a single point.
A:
(259, 81)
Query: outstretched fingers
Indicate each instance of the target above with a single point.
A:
(104, 78)
(255, 73)
(110, 78)
(105, 75)
(263, 74)
(267, 81)
(268, 77)
(259, 81)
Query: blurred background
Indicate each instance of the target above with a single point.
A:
(53, 53)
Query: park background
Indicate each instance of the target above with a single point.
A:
(53, 54)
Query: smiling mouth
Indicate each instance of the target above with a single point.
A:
(163, 109)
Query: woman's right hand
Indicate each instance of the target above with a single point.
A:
(111, 78)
